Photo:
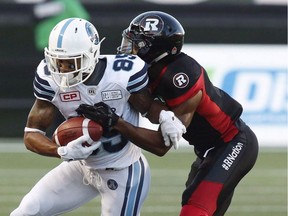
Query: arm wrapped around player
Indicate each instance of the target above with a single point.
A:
(100, 113)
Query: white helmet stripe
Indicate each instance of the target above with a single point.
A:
(60, 37)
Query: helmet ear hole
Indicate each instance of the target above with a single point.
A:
(174, 50)
(169, 28)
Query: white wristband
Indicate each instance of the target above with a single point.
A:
(35, 130)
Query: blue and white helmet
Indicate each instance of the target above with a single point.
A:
(73, 39)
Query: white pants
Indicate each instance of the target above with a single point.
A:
(70, 185)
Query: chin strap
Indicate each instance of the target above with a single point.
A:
(160, 57)
(63, 84)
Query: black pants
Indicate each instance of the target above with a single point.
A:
(213, 178)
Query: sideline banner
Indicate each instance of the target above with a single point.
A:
(256, 76)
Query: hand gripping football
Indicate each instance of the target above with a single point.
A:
(75, 127)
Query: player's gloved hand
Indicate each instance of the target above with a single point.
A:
(171, 127)
(100, 113)
(75, 150)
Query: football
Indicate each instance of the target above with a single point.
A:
(75, 127)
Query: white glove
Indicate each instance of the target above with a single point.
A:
(171, 127)
(74, 150)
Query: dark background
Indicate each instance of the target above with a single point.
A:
(205, 23)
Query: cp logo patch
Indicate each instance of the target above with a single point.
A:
(180, 80)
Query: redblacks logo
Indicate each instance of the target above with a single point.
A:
(181, 80)
(70, 96)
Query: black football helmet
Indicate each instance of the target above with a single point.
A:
(152, 36)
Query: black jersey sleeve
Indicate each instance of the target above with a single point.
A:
(179, 80)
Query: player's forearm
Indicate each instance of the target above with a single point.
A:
(40, 144)
(144, 103)
(154, 111)
(146, 139)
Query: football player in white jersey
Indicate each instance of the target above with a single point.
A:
(72, 73)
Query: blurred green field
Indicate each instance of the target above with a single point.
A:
(262, 193)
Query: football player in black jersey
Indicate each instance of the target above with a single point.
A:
(225, 146)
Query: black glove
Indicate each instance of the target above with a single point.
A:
(100, 113)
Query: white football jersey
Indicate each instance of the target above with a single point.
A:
(114, 79)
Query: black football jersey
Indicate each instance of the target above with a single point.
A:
(181, 78)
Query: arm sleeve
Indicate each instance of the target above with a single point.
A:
(42, 88)
(138, 81)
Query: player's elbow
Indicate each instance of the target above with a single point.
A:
(31, 141)
(160, 152)
(27, 141)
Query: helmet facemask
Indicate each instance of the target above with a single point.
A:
(126, 46)
(133, 41)
(79, 68)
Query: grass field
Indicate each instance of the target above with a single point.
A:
(262, 193)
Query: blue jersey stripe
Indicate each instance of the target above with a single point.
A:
(136, 186)
(138, 196)
(43, 94)
(135, 81)
(40, 95)
(62, 31)
(138, 81)
(43, 83)
(141, 85)
(128, 187)
(42, 89)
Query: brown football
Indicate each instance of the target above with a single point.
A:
(75, 127)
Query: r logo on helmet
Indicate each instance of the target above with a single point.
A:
(152, 25)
